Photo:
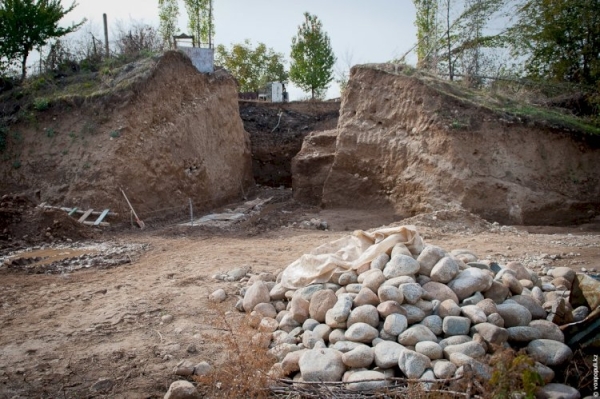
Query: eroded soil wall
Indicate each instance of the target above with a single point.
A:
(175, 134)
(408, 146)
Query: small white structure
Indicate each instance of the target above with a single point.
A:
(202, 58)
(273, 92)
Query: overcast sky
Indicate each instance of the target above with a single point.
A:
(367, 31)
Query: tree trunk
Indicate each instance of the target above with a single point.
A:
(450, 71)
(24, 65)
(312, 93)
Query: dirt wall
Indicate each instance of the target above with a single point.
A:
(171, 135)
(406, 146)
(276, 140)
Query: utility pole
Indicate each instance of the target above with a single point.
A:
(106, 49)
(210, 24)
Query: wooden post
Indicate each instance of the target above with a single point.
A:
(106, 49)
(191, 213)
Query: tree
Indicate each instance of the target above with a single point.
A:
(312, 57)
(168, 11)
(29, 24)
(252, 67)
(427, 32)
(200, 20)
(560, 38)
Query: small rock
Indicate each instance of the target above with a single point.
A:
(472, 349)
(218, 296)
(320, 303)
(364, 314)
(389, 307)
(411, 292)
(491, 333)
(443, 369)
(184, 368)
(366, 380)
(416, 333)
(182, 390)
(322, 365)
(488, 306)
(473, 299)
(427, 259)
(166, 318)
(257, 293)
(548, 352)
(202, 369)
(580, 313)
(469, 281)
(548, 330)
(456, 325)
(557, 391)
(434, 323)
(439, 291)
(444, 270)
(496, 320)
(366, 297)
(448, 308)
(514, 314)
(395, 324)
(474, 313)
(361, 356)
(413, 313)
(387, 354)
(390, 293)
(103, 385)
(430, 349)
(401, 265)
(380, 261)
(361, 332)
(413, 364)
(266, 310)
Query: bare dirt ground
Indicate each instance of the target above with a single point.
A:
(61, 333)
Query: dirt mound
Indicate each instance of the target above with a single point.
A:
(22, 223)
(159, 130)
(277, 131)
(451, 221)
(412, 146)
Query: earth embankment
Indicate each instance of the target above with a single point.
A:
(412, 144)
(160, 130)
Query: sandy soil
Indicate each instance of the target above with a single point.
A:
(60, 334)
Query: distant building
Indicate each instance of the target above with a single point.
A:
(273, 92)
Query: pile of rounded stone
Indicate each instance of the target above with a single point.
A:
(414, 315)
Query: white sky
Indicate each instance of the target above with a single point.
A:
(369, 31)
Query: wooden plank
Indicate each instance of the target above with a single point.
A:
(101, 217)
(72, 211)
(85, 215)
(102, 224)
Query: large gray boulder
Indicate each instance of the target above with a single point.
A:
(257, 293)
(469, 281)
(322, 365)
(549, 352)
(413, 364)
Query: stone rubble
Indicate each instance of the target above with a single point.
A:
(415, 315)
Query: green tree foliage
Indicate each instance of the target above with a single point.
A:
(200, 20)
(427, 31)
(451, 34)
(312, 57)
(561, 39)
(252, 67)
(29, 24)
(168, 11)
